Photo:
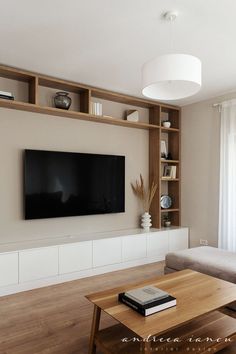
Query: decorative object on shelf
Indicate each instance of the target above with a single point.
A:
(166, 221)
(96, 108)
(163, 149)
(169, 172)
(169, 156)
(62, 100)
(171, 76)
(146, 221)
(166, 201)
(166, 124)
(132, 115)
(145, 195)
(6, 95)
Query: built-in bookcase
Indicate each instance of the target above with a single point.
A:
(170, 186)
(36, 95)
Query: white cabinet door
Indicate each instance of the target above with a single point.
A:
(158, 244)
(178, 239)
(38, 263)
(75, 257)
(106, 251)
(134, 247)
(8, 269)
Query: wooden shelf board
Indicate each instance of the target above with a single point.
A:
(16, 74)
(212, 325)
(169, 130)
(49, 81)
(169, 161)
(133, 101)
(73, 114)
(169, 210)
(169, 179)
(61, 85)
(167, 108)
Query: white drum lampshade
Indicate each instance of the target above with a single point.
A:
(171, 77)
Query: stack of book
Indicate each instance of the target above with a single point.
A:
(147, 300)
(96, 108)
(6, 95)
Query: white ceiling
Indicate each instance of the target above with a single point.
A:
(105, 42)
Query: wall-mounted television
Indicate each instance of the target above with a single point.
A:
(58, 184)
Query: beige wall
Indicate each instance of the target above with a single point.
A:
(21, 130)
(200, 169)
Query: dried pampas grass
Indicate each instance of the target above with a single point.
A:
(144, 195)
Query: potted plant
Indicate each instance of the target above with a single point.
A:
(166, 221)
(166, 123)
(145, 195)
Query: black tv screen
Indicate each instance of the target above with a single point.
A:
(58, 184)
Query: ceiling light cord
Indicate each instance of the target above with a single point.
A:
(171, 16)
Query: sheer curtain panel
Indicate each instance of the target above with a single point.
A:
(227, 200)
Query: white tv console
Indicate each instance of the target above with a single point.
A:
(29, 265)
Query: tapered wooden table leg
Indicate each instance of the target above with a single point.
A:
(94, 329)
(146, 348)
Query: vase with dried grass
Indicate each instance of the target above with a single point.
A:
(145, 195)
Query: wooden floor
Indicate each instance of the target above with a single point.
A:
(57, 319)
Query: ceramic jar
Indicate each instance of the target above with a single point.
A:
(62, 100)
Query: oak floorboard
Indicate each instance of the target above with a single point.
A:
(57, 319)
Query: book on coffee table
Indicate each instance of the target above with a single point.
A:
(146, 294)
(149, 308)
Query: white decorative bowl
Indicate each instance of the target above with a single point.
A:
(166, 124)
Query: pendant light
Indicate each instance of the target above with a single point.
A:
(171, 76)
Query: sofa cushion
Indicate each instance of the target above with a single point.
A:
(209, 260)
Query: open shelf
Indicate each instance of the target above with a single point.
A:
(37, 82)
(170, 161)
(73, 114)
(171, 186)
(168, 210)
(169, 130)
(172, 115)
(133, 101)
(212, 325)
(169, 179)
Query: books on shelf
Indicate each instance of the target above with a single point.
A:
(147, 300)
(6, 95)
(96, 108)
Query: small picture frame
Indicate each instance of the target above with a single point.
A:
(167, 172)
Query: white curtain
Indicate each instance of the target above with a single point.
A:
(227, 200)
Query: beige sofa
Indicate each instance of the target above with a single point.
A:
(208, 260)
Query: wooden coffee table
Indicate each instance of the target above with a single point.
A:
(199, 313)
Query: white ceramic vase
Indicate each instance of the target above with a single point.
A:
(146, 221)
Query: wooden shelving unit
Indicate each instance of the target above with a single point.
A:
(84, 94)
(171, 186)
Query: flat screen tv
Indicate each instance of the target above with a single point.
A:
(58, 184)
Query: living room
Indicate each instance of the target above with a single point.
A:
(118, 170)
